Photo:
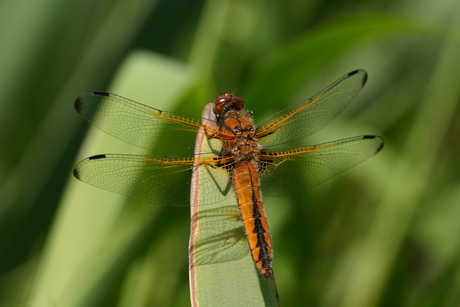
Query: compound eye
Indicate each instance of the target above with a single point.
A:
(223, 98)
(221, 101)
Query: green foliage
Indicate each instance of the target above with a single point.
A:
(383, 234)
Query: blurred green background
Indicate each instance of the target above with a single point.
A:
(383, 234)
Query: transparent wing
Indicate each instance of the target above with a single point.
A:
(138, 124)
(154, 179)
(221, 236)
(291, 170)
(305, 118)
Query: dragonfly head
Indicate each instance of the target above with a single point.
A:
(226, 102)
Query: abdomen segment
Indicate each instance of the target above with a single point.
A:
(253, 216)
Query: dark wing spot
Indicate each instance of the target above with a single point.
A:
(354, 72)
(97, 157)
(101, 93)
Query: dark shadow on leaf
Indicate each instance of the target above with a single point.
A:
(220, 237)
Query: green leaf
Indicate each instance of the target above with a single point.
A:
(284, 72)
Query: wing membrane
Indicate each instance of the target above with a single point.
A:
(292, 170)
(154, 179)
(305, 118)
(221, 236)
(138, 124)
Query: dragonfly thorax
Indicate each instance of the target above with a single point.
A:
(241, 139)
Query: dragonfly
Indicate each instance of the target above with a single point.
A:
(245, 160)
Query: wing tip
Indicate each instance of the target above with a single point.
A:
(378, 138)
(364, 78)
(78, 104)
(79, 101)
(76, 171)
(380, 147)
(76, 174)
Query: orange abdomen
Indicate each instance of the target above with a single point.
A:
(247, 186)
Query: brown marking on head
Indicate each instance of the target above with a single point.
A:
(226, 102)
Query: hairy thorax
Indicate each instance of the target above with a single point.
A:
(240, 137)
